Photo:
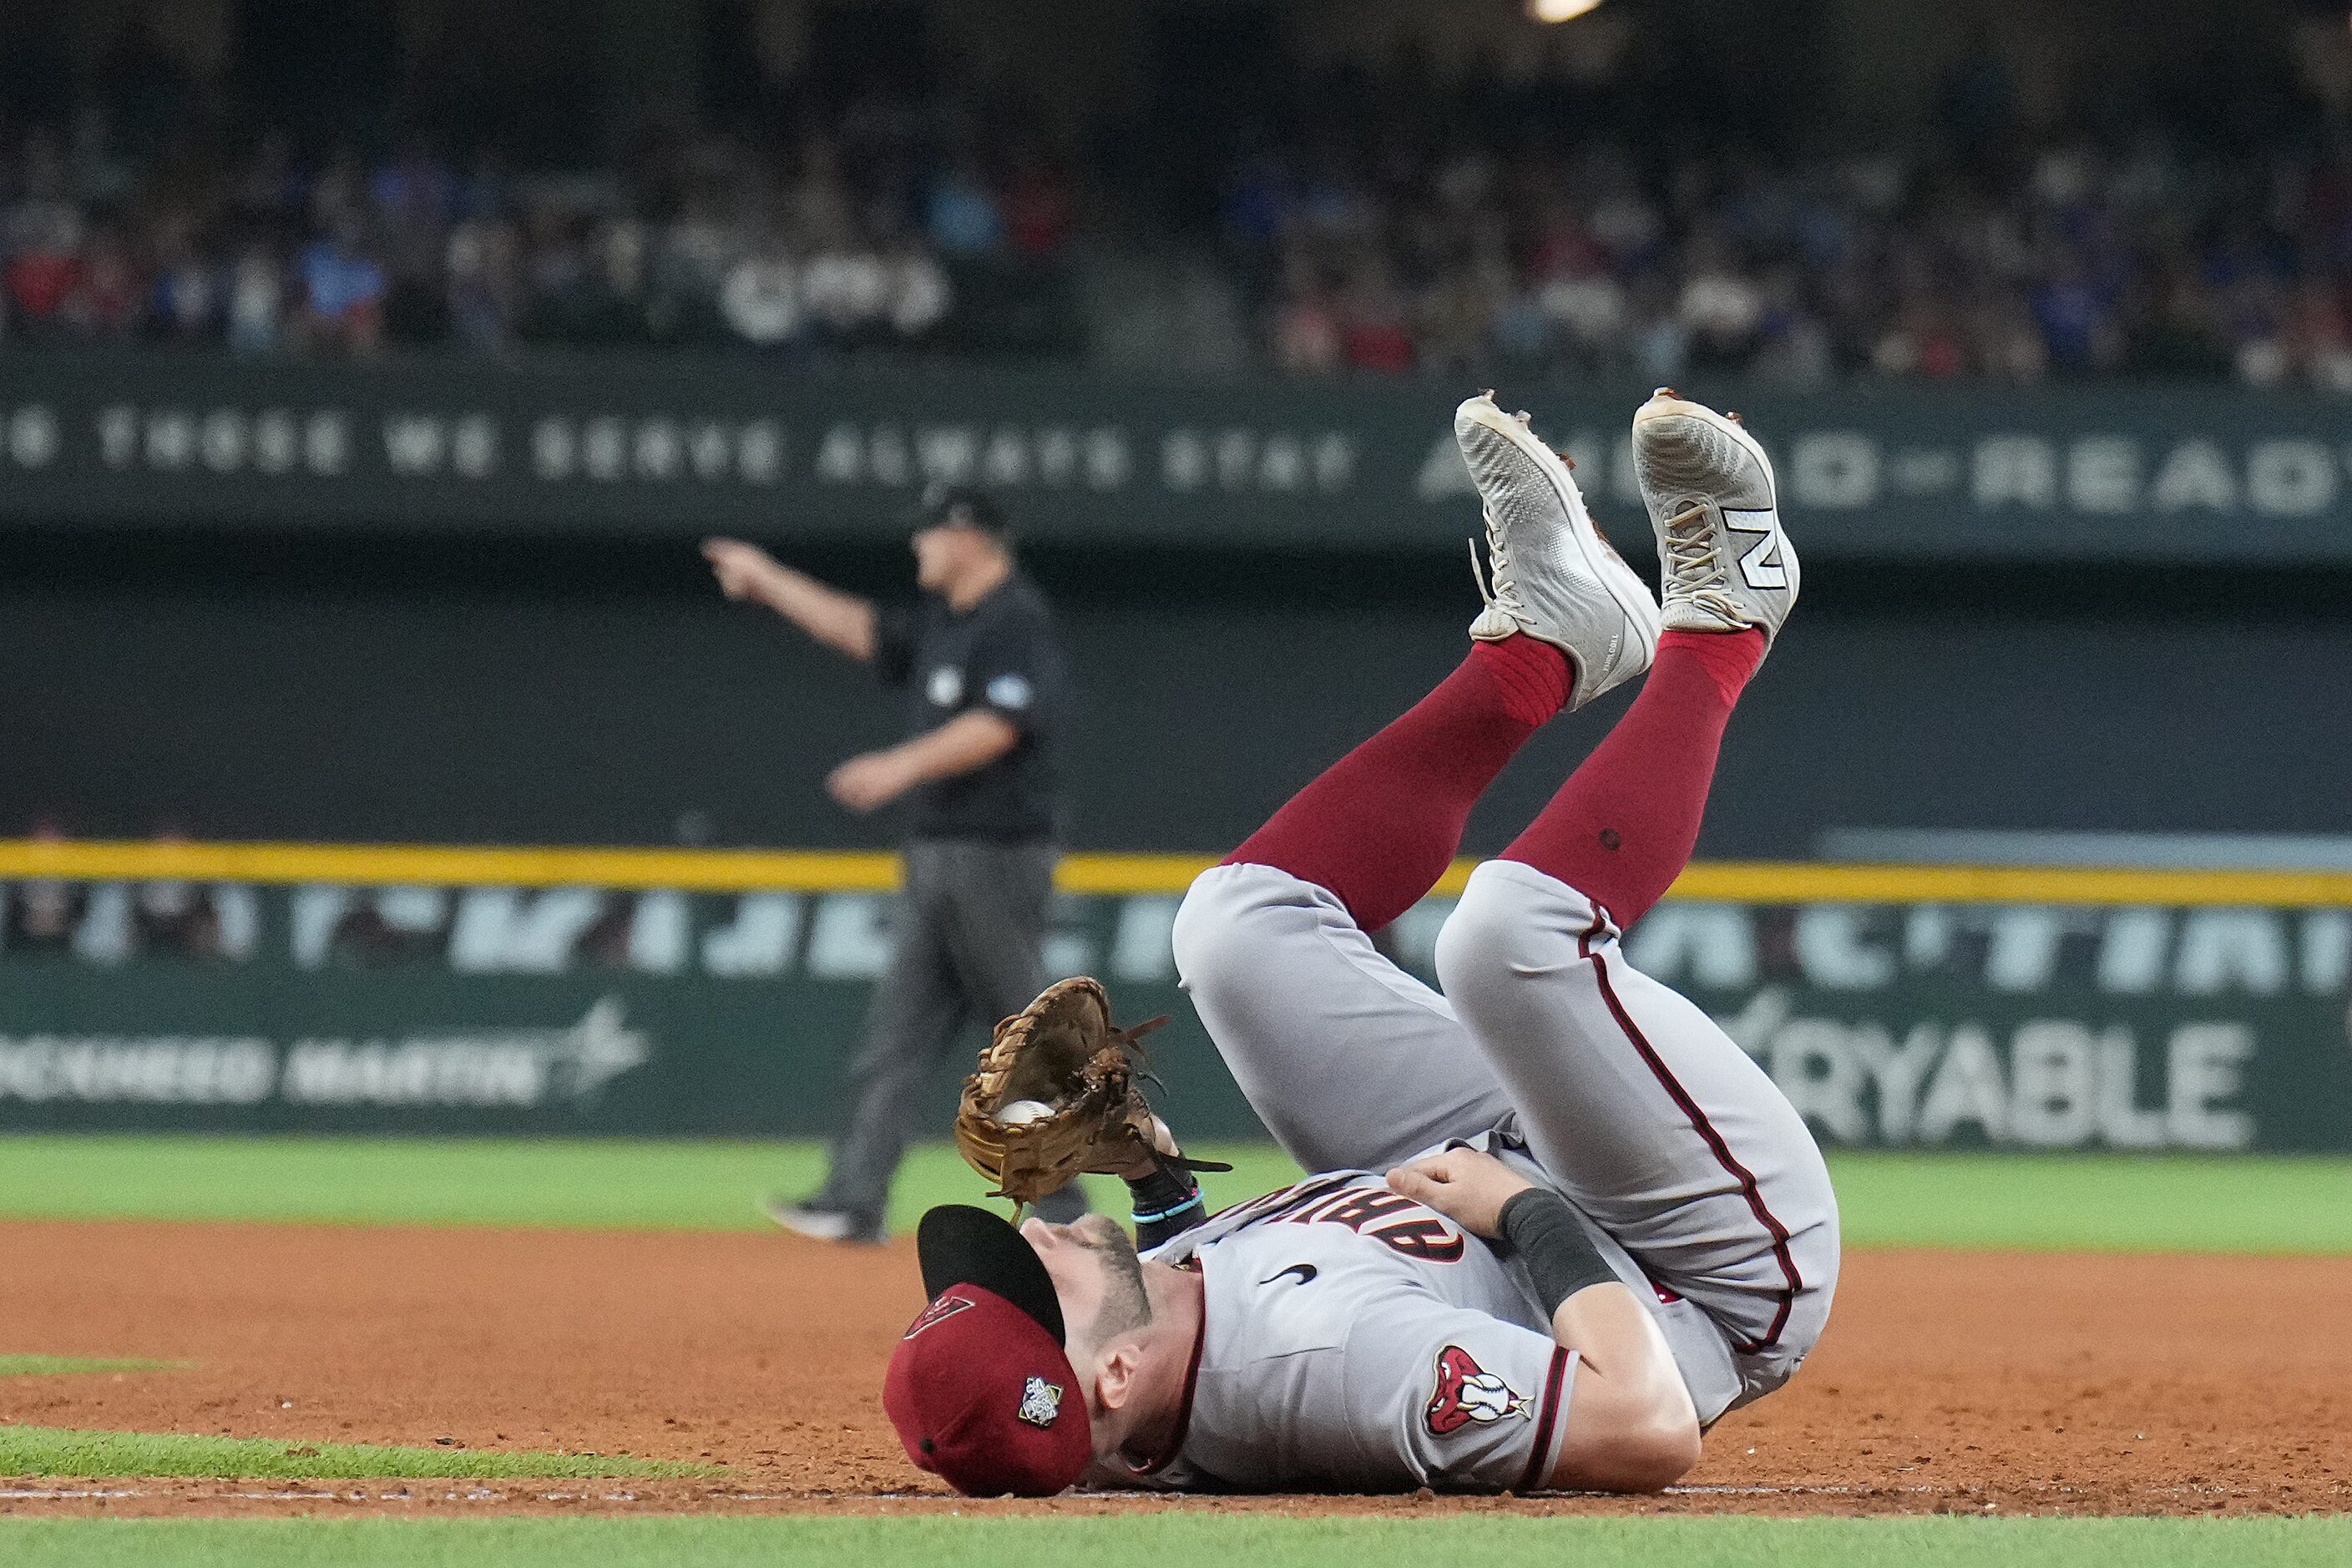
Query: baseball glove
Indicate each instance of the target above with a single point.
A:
(1056, 1097)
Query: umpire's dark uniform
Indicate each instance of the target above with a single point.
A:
(980, 854)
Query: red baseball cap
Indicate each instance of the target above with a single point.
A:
(980, 1388)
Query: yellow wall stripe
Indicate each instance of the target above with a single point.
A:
(711, 870)
(741, 870)
(1774, 883)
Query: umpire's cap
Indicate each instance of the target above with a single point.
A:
(980, 1388)
(946, 506)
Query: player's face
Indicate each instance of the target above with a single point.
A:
(1083, 1261)
(1098, 1279)
(939, 556)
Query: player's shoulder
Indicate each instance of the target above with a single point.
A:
(1282, 1292)
(1324, 1243)
(1282, 1254)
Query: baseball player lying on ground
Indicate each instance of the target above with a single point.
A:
(1562, 1222)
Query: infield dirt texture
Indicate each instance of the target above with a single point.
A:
(1950, 1382)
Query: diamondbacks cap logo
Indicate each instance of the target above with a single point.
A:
(1041, 1403)
(1468, 1393)
(939, 1311)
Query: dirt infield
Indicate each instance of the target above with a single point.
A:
(1948, 1382)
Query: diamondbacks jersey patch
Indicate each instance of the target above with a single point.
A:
(1467, 1392)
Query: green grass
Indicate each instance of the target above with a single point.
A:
(2174, 1203)
(56, 1365)
(628, 1183)
(1261, 1541)
(51, 1451)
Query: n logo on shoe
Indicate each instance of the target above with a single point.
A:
(1761, 566)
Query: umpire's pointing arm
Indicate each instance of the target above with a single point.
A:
(842, 622)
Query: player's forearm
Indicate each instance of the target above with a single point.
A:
(1631, 1424)
(840, 621)
(1615, 1337)
(964, 743)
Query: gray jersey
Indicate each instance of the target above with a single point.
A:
(1356, 1341)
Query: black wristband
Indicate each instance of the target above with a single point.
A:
(1559, 1254)
(1162, 1193)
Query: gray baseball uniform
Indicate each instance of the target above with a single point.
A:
(1355, 1339)
(1388, 1366)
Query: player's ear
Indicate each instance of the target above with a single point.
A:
(1114, 1384)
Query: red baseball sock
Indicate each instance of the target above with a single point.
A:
(1623, 827)
(1381, 824)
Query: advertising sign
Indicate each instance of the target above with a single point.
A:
(650, 1010)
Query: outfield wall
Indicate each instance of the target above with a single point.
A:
(417, 989)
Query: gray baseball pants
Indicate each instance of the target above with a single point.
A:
(1642, 1111)
(969, 949)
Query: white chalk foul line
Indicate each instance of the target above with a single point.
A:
(483, 1495)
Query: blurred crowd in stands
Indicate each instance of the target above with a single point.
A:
(864, 233)
(2072, 260)
(1379, 243)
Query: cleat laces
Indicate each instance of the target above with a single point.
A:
(1504, 594)
(1692, 566)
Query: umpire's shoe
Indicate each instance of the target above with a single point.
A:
(1549, 574)
(820, 1221)
(1723, 561)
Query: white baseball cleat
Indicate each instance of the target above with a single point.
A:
(1723, 561)
(1549, 573)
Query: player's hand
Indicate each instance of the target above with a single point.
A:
(741, 569)
(868, 782)
(1140, 1164)
(1467, 1186)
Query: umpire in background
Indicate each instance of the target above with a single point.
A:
(984, 698)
